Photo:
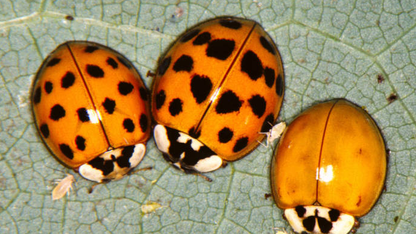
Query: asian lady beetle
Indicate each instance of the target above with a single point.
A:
(329, 167)
(92, 110)
(218, 86)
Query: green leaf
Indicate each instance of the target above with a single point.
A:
(330, 49)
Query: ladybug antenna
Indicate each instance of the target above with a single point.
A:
(203, 176)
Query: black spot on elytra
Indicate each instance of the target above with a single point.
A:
(144, 122)
(200, 87)
(202, 38)
(193, 133)
(279, 85)
(143, 93)
(124, 61)
(184, 63)
(37, 95)
(251, 65)
(225, 135)
(95, 71)
(228, 102)
(240, 144)
(66, 150)
(83, 115)
(160, 99)
(175, 106)
(91, 49)
(189, 35)
(128, 125)
(230, 23)
(44, 129)
(220, 49)
(125, 88)
(48, 87)
(269, 76)
(57, 112)
(258, 105)
(53, 62)
(109, 105)
(80, 142)
(267, 123)
(164, 65)
(112, 63)
(267, 45)
(68, 80)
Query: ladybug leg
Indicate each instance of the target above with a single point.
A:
(140, 169)
(224, 164)
(130, 172)
(150, 74)
(203, 176)
(95, 185)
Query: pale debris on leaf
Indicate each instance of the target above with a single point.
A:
(23, 98)
(64, 186)
(150, 207)
(259, 4)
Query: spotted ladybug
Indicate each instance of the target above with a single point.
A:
(92, 110)
(217, 88)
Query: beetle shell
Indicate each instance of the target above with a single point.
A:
(218, 86)
(340, 154)
(88, 100)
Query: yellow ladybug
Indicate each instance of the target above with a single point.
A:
(329, 167)
(92, 110)
(216, 90)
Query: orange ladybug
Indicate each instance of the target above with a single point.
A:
(92, 110)
(216, 90)
(329, 167)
